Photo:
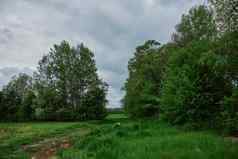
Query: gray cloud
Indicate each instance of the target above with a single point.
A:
(7, 35)
(110, 28)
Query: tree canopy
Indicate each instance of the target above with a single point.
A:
(191, 80)
(66, 86)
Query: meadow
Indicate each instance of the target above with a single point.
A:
(116, 137)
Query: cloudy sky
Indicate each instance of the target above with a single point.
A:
(110, 28)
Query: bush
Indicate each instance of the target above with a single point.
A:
(194, 86)
(40, 114)
(228, 119)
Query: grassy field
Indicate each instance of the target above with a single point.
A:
(114, 138)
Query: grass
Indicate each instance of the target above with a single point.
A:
(117, 138)
(14, 135)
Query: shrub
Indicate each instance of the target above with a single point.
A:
(228, 119)
(194, 86)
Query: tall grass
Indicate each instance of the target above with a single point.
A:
(117, 137)
(149, 140)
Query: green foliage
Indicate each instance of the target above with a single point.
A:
(47, 102)
(198, 77)
(65, 87)
(192, 80)
(68, 85)
(15, 98)
(226, 14)
(194, 85)
(151, 140)
(228, 46)
(14, 135)
(198, 24)
(143, 84)
(27, 111)
(132, 139)
(228, 119)
(147, 67)
(95, 102)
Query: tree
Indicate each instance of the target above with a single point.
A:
(27, 110)
(94, 105)
(1, 106)
(48, 102)
(194, 86)
(198, 24)
(67, 75)
(143, 84)
(14, 99)
(227, 46)
(226, 14)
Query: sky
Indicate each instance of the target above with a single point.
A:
(110, 28)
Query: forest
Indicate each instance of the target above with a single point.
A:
(65, 87)
(192, 80)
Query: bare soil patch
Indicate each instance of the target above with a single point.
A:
(47, 148)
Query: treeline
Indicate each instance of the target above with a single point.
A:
(192, 80)
(65, 87)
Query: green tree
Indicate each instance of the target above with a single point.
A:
(67, 75)
(227, 47)
(198, 24)
(228, 118)
(143, 84)
(14, 94)
(226, 14)
(194, 86)
(94, 105)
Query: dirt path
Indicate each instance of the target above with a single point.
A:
(47, 148)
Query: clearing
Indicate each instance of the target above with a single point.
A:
(116, 137)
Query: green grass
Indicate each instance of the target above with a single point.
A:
(117, 138)
(14, 135)
(116, 116)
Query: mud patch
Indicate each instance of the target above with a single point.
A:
(47, 148)
(47, 151)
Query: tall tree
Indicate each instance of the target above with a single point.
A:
(198, 24)
(15, 99)
(203, 71)
(143, 84)
(226, 14)
(69, 73)
(194, 85)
